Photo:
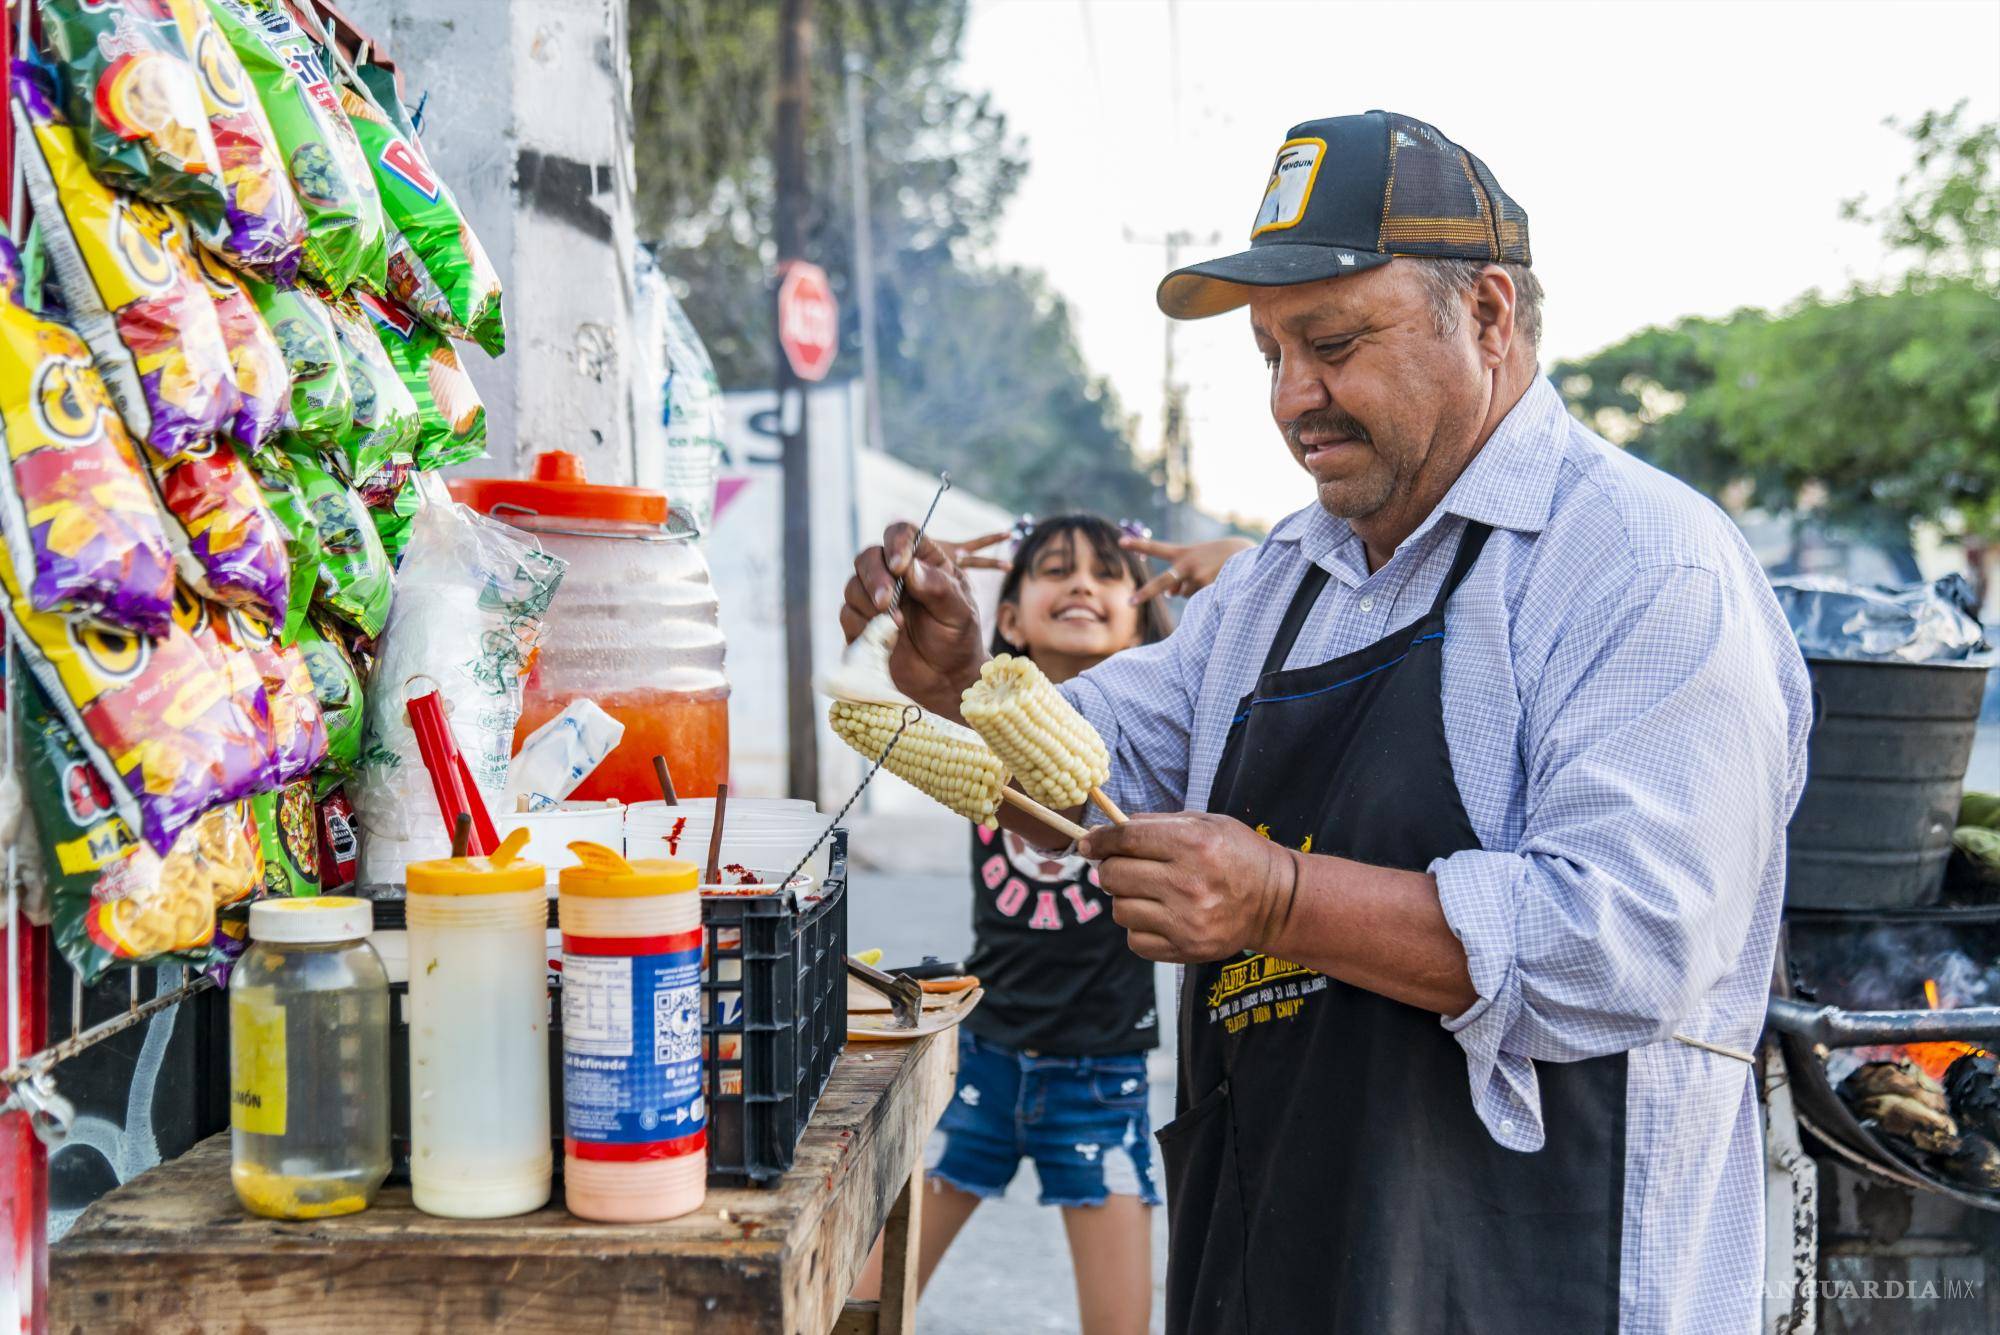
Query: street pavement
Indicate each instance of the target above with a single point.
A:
(1010, 1269)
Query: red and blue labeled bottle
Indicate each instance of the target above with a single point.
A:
(635, 1139)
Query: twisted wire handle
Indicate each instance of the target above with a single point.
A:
(944, 485)
(911, 713)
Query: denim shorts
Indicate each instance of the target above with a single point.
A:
(1082, 1120)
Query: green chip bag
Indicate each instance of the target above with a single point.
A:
(394, 509)
(322, 397)
(356, 580)
(288, 828)
(134, 97)
(286, 500)
(453, 425)
(338, 686)
(437, 267)
(386, 420)
(345, 237)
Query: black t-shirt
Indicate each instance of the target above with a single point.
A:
(1058, 974)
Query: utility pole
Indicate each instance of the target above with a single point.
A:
(788, 157)
(1174, 442)
(864, 252)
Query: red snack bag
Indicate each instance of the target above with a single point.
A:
(339, 847)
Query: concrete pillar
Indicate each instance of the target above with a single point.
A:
(530, 121)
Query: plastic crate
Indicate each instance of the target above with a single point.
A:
(775, 1002)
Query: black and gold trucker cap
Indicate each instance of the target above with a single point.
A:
(1352, 192)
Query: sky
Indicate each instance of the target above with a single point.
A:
(1674, 159)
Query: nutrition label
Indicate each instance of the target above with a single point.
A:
(631, 1049)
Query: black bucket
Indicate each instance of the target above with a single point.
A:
(1884, 772)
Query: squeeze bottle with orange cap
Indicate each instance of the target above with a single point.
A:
(479, 1034)
(635, 1138)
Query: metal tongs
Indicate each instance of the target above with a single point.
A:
(906, 998)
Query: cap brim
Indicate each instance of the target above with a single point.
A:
(1218, 285)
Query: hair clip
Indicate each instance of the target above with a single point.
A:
(1132, 528)
(1022, 528)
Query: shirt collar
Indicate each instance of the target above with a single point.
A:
(1509, 484)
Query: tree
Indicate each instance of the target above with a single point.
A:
(942, 167)
(1885, 400)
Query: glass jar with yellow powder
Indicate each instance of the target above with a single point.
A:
(308, 1061)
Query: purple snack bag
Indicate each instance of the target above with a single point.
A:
(78, 516)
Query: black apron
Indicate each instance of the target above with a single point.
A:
(1327, 1171)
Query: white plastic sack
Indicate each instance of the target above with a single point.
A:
(470, 598)
(678, 389)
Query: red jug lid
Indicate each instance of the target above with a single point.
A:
(558, 488)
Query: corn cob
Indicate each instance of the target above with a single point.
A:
(946, 763)
(1055, 755)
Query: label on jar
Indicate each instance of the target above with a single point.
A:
(632, 1046)
(256, 1061)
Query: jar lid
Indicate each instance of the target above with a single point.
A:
(558, 489)
(601, 873)
(505, 871)
(317, 920)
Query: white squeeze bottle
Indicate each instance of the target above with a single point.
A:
(635, 1137)
(479, 1034)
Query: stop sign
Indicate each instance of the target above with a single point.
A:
(808, 320)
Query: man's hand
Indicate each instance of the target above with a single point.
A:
(1194, 887)
(1191, 567)
(939, 651)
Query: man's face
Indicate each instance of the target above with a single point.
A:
(1371, 399)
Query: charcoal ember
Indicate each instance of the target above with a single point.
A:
(1972, 1083)
(1975, 1163)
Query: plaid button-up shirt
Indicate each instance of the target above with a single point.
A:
(1627, 714)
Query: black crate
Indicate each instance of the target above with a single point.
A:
(774, 1028)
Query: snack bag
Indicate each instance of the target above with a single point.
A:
(128, 86)
(453, 427)
(286, 501)
(115, 900)
(298, 731)
(256, 363)
(338, 686)
(322, 399)
(345, 239)
(386, 420)
(437, 267)
(236, 549)
(393, 507)
(356, 580)
(262, 226)
(159, 716)
(339, 845)
(288, 830)
(129, 285)
(77, 511)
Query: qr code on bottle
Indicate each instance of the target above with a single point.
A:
(677, 1025)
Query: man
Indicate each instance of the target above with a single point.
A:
(1480, 768)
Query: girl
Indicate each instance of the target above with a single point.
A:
(1052, 1064)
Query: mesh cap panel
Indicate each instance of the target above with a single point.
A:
(1441, 200)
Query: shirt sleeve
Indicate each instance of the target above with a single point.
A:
(1142, 704)
(1656, 749)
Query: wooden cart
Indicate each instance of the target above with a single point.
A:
(172, 1250)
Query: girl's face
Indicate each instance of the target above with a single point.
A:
(1072, 605)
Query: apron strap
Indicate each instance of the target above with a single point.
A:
(1470, 544)
(1301, 607)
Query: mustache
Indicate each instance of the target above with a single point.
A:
(1325, 421)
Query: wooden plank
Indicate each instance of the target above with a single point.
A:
(858, 1318)
(173, 1250)
(899, 1259)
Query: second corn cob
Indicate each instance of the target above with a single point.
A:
(1055, 755)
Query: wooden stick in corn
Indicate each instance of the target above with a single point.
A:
(1056, 756)
(945, 762)
(1055, 820)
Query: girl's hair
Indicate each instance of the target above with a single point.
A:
(1100, 539)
